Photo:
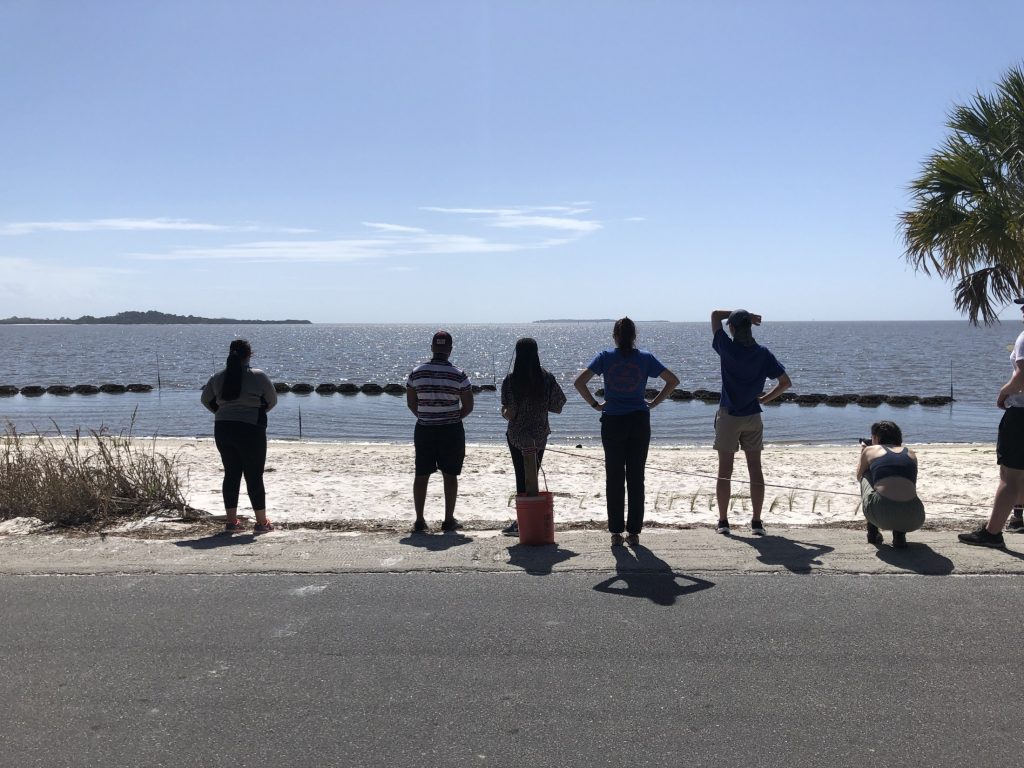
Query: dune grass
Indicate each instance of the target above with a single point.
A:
(83, 481)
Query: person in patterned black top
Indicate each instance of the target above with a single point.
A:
(527, 395)
(440, 396)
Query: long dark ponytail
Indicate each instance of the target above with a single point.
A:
(625, 335)
(238, 359)
(527, 380)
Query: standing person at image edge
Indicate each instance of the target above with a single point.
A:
(440, 396)
(746, 365)
(625, 424)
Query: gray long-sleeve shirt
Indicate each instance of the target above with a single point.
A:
(256, 397)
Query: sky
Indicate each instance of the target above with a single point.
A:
(466, 161)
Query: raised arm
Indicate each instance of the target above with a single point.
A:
(717, 318)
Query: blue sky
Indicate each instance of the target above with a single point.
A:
(477, 161)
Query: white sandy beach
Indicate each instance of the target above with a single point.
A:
(372, 483)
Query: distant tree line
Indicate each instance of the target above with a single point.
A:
(150, 317)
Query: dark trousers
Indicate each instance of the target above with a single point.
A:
(626, 439)
(520, 467)
(243, 451)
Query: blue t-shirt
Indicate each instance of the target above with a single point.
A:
(744, 371)
(625, 379)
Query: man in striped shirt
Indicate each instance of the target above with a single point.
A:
(440, 396)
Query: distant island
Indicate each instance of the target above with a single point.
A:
(151, 317)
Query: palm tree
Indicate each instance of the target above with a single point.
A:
(967, 222)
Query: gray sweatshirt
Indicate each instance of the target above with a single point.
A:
(256, 398)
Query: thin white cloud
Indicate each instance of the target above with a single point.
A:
(160, 224)
(527, 217)
(391, 227)
(635, 218)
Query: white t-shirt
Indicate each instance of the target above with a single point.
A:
(1017, 400)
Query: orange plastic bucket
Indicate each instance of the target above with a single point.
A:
(536, 517)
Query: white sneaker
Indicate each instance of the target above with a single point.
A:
(757, 528)
(723, 527)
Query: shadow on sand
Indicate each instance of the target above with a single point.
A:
(916, 558)
(432, 542)
(641, 573)
(794, 556)
(538, 561)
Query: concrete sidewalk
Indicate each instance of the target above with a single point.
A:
(792, 550)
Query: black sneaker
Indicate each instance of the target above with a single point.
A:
(617, 540)
(899, 539)
(450, 525)
(1015, 524)
(982, 538)
(420, 526)
(875, 535)
(511, 530)
(757, 528)
(722, 527)
(633, 539)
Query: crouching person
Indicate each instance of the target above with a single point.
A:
(888, 484)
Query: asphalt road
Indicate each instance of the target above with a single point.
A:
(499, 669)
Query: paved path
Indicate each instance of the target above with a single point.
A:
(574, 670)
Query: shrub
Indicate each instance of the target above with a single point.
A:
(81, 481)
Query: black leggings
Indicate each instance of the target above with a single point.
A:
(243, 451)
(626, 439)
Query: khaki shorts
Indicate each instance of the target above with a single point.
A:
(738, 432)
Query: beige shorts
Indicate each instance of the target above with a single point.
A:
(738, 432)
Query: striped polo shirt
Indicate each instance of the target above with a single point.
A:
(438, 385)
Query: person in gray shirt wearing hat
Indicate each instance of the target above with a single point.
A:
(746, 366)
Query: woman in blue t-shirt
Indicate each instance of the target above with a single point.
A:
(625, 424)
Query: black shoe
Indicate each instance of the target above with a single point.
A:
(722, 527)
(874, 535)
(450, 525)
(420, 526)
(633, 540)
(511, 530)
(899, 539)
(757, 528)
(617, 540)
(982, 538)
(1015, 524)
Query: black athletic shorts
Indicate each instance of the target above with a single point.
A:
(440, 447)
(1010, 443)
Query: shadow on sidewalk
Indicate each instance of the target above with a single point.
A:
(917, 558)
(217, 540)
(538, 561)
(435, 542)
(794, 556)
(644, 574)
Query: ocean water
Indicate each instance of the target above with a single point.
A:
(898, 358)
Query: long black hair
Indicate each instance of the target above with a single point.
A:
(527, 379)
(238, 359)
(625, 335)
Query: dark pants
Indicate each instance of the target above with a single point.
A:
(626, 440)
(520, 467)
(243, 451)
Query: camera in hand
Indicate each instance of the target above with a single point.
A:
(865, 441)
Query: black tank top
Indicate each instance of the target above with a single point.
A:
(892, 464)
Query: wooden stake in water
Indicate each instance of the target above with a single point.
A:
(300, 423)
(950, 379)
(158, 385)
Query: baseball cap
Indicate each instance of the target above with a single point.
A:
(738, 318)
(442, 339)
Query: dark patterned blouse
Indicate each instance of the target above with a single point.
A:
(528, 427)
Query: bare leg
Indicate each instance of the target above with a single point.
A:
(451, 493)
(419, 494)
(231, 514)
(756, 482)
(261, 516)
(1009, 491)
(723, 487)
